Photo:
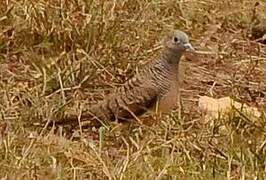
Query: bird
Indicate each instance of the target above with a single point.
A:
(156, 84)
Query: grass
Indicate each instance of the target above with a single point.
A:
(58, 57)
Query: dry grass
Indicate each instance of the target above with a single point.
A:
(58, 56)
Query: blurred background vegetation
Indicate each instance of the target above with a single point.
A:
(61, 56)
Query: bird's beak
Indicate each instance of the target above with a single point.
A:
(189, 48)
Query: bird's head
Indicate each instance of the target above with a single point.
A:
(177, 42)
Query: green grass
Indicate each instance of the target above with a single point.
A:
(58, 57)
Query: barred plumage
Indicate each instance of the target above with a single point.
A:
(157, 81)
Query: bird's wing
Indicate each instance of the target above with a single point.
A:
(135, 97)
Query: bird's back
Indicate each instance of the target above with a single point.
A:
(138, 94)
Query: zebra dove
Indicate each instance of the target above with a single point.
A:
(156, 83)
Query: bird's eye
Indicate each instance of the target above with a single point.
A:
(176, 39)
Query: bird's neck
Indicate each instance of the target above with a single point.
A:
(170, 56)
